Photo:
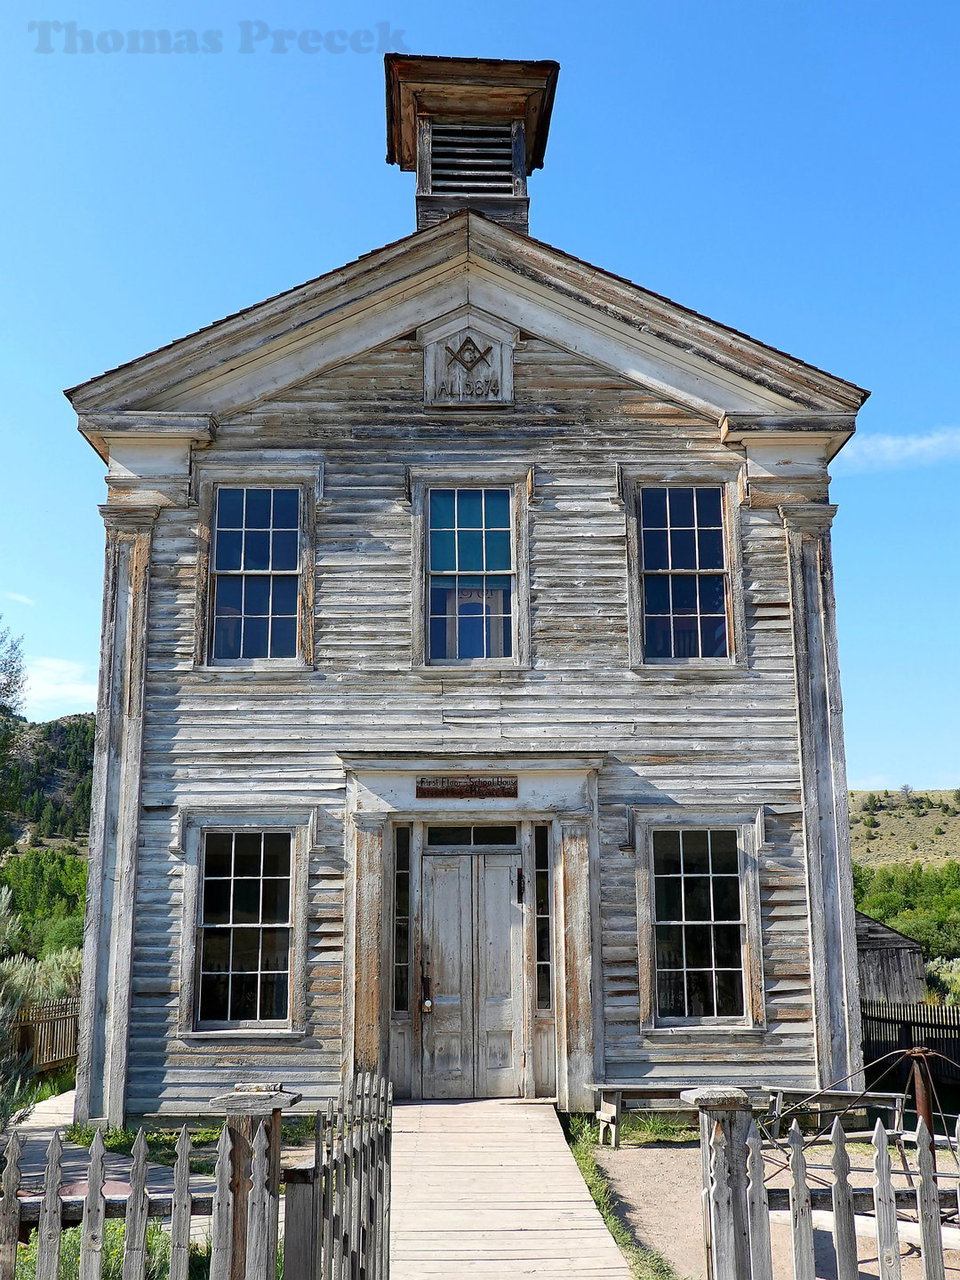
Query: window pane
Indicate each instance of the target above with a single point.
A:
(214, 998)
(449, 835)
(726, 941)
(730, 994)
(286, 508)
(258, 509)
(710, 542)
(469, 551)
(285, 550)
(498, 551)
(683, 591)
(543, 986)
(215, 951)
(713, 637)
(438, 639)
(246, 901)
(276, 948)
(255, 632)
(229, 508)
(669, 946)
(653, 506)
(228, 552)
(243, 997)
(216, 902)
(441, 509)
(699, 953)
(666, 852)
(686, 636)
(726, 898)
(218, 845)
(228, 594)
(470, 508)
(700, 994)
(401, 988)
(683, 551)
(247, 863)
(657, 638)
(696, 897)
(283, 638)
(226, 638)
(723, 850)
(670, 1001)
(495, 835)
(470, 631)
(681, 508)
(543, 939)
(256, 549)
(696, 847)
(656, 594)
(273, 996)
(256, 595)
(655, 549)
(709, 508)
(276, 900)
(497, 508)
(276, 854)
(668, 896)
(712, 593)
(246, 950)
(443, 554)
(248, 842)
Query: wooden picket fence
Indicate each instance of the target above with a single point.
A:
(737, 1202)
(46, 1033)
(336, 1218)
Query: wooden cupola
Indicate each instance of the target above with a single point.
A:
(472, 129)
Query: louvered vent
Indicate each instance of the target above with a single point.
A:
(471, 159)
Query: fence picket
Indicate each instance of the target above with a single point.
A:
(801, 1216)
(758, 1213)
(339, 1196)
(94, 1212)
(258, 1214)
(135, 1236)
(844, 1228)
(48, 1234)
(327, 1192)
(928, 1209)
(180, 1213)
(221, 1222)
(10, 1208)
(888, 1244)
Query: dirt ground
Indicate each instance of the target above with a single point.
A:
(658, 1189)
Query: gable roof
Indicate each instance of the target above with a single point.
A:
(258, 351)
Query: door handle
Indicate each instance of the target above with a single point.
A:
(427, 1006)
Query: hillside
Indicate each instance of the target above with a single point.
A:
(46, 790)
(891, 826)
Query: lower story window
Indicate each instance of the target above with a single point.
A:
(699, 925)
(244, 932)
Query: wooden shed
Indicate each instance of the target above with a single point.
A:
(469, 700)
(890, 964)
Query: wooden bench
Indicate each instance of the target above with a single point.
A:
(834, 1101)
(614, 1097)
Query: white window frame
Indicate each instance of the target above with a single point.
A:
(728, 482)
(195, 825)
(517, 479)
(261, 471)
(647, 820)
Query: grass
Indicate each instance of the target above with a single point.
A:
(924, 827)
(645, 1264)
(638, 1129)
(53, 1084)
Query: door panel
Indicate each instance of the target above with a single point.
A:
(448, 928)
(499, 976)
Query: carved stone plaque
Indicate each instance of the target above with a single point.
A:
(462, 787)
(467, 360)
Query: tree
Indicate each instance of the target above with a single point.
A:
(906, 791)
(11, 693)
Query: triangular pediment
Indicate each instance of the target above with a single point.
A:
(427, 282)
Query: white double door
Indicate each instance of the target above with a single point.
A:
(472, 979)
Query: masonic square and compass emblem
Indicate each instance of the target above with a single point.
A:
(467, 360)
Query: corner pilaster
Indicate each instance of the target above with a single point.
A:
(369, 1026)
(575, 1038)
(115, 816)
(826, 826)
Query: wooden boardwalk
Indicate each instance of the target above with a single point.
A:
(490, 1189)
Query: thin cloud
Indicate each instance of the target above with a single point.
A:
(15, 595)
(888, 452)
(58, 687)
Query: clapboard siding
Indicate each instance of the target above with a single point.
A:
(221, 738)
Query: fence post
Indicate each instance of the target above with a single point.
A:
(246, 1108)
(725, 1116)
(300, 1220)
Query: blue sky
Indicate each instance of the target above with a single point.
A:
(788, 167)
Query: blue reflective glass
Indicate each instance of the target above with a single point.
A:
(497, 508)
(470, 551)
(713, 637)
(284, 599)
(285, 549)
(443, 555)
(256, 550)
(657, 643)
(254, 638)
(229, 508)
(470, 508)
(286, 508)
(683, 553)
(655, 549)
(684, 591)
(653, 508)
(712, 594)
(441, 508)
(438, 638)
(256, 597)
(507, 628)
(708, 508)
(440, 600)
(226, 637)
(497, 582)
(258, 508)
(498, 550)
(686, 636)
(711, 548)
(656, 594)
(681, 508)
(470, 637)
(229, 596)
(228, 550)
(283, 638)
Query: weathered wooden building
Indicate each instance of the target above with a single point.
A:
(469, 697)
(890, 965)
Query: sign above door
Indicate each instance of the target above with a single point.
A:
(465, 787)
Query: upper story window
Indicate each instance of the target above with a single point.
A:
(684, 573)
(471, 575)
(243, 952)
(255, 573)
